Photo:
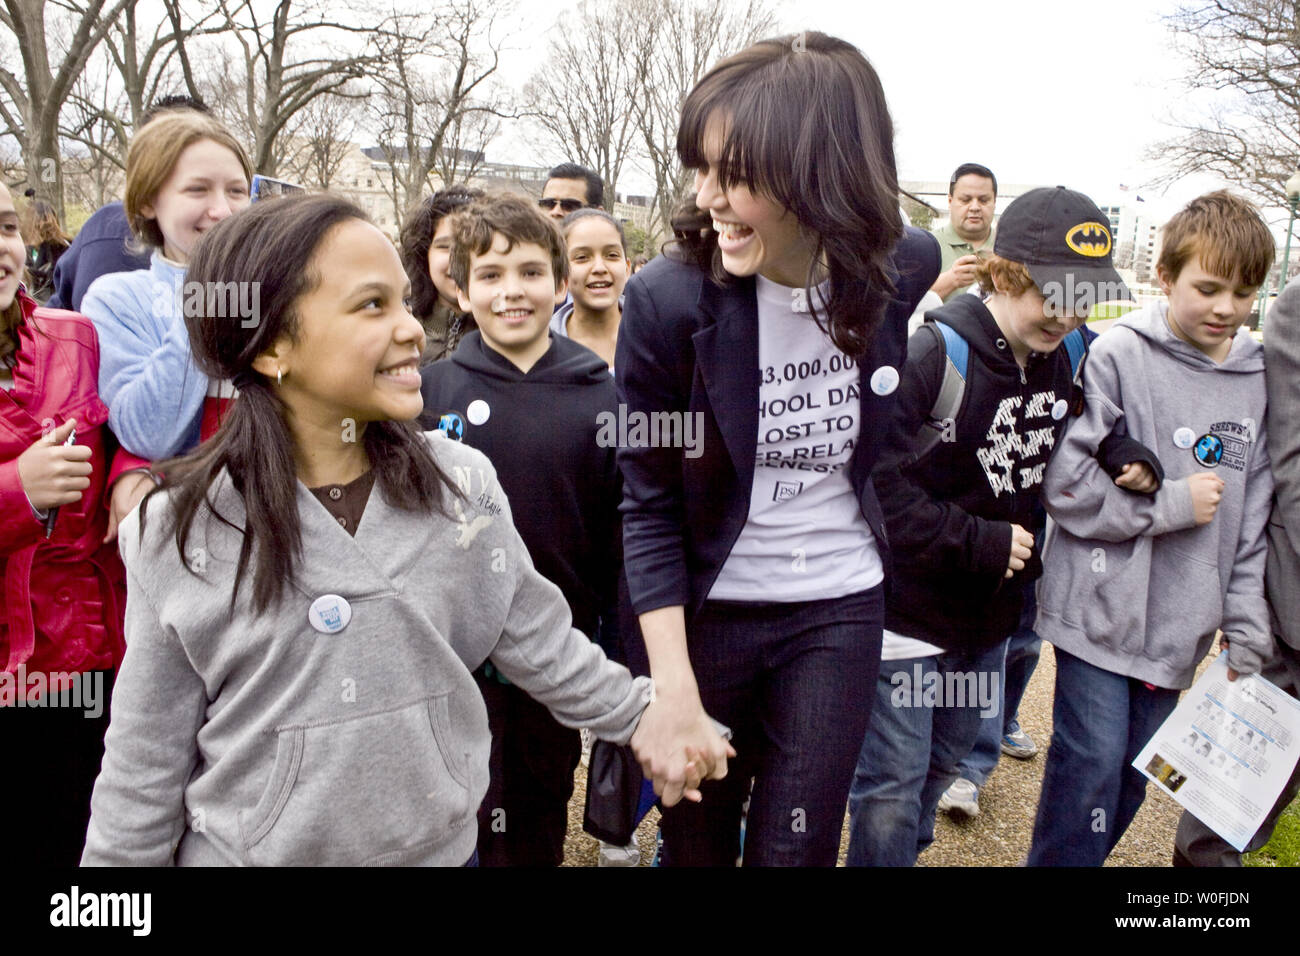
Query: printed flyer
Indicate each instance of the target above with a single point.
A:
(1226, 751)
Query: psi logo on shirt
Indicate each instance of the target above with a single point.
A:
(1224, 444)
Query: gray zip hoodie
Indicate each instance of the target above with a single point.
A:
(240, 738)
(1130, 582)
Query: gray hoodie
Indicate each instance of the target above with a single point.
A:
(1130, 583)
(257, 739)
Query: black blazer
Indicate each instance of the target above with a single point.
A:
(688, 345)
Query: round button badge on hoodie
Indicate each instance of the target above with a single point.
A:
(478, 412)
(1184, 437)
(330, 613)
(1059, 408)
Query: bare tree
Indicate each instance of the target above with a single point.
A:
(92, 126)
(584, 99)
(689, 36)
(145, 61)
(321, 136)
(433, 107)
(1244, 57)
(263, 79)
(104, 107)
(31, 105)
(464, 149)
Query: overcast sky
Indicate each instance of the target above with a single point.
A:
(1039, 92)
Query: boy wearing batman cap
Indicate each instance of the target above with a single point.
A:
(961, 511)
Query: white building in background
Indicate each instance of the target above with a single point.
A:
(1136, 235)
(365, 177)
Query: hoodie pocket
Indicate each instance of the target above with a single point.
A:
(374, 787)
(1113, 611)
(1188, 611)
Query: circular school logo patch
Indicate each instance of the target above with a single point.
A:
(452, 425)
(1208, 450)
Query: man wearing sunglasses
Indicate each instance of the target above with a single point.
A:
(570, 187)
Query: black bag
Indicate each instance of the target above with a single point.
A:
(614, 787)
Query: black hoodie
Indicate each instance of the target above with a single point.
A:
(949, 515)
(539, 431)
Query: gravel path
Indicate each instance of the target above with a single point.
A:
(999, 836)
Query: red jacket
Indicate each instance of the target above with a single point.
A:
(64, 597)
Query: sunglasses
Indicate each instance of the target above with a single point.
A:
(568, 205)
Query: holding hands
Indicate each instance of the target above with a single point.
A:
(679, 747)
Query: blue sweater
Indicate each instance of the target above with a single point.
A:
(100, 248)
(147, 374)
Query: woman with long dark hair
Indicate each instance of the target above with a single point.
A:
(770, 337)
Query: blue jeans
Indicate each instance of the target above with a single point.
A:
(1022, 651)
(1091, 791)
(793, 682)
(910, 754)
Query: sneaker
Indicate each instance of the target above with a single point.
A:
(1019, 745)
(962, 797)
(611, 855)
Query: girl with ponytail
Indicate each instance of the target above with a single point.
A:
(311, 589)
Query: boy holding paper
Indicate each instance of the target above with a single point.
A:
(1135, 586)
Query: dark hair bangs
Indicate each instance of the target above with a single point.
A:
(758, 129)
(808, 127)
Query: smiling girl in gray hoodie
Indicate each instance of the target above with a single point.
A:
(310, 591)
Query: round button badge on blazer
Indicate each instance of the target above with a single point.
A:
(329, 613)
(884, 380)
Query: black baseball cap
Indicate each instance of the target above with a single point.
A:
(1064, 241)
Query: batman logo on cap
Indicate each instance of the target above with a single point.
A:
(1089, 239)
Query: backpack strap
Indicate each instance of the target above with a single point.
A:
(1076, 346)
(952, 390)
